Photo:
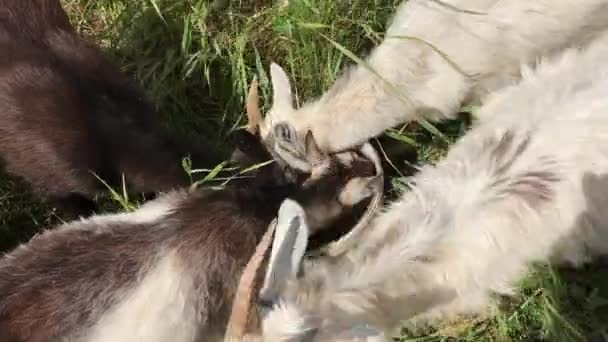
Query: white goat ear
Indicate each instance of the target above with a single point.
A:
(281, 87)
(288, 248)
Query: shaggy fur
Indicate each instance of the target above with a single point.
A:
(505, 196)
(167, 271)
(436, 55)
(66, 112)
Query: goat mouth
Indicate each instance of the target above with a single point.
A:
(350, 228)
(360, 162)
(338, 230)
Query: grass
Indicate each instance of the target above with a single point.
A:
(196, 58)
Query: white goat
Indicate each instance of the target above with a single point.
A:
(436, 55)
(528, 183)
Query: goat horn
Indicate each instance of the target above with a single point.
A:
(241, 305)
(345, 243)
(254, 114)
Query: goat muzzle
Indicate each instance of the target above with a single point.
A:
(350, 239)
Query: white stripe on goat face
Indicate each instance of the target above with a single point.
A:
(159, 309)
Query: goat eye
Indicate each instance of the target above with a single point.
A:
(243, 140)
(282, 131)
(264, 306)
(265, 303)
(240, 144)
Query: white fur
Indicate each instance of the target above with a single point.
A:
(471, 225)
(159, 309)
(149, 212)
(487, 40)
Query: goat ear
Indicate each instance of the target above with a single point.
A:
(281, 97)
(288, 248)
(359, 189)
(314, 155)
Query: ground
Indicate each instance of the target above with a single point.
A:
(195, 59)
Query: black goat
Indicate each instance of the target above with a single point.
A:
(168, 271)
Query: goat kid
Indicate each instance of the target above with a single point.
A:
(436, 55)
(169, 270)
(66, 112)
(505, 196)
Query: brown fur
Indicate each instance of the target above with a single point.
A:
(66, 111)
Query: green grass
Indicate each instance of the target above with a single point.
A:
(195, 60)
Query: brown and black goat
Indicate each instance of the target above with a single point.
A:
(67, 113)
(168, 271)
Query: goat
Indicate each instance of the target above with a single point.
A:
(66, 112)
(436, 55)
(170, 269)
(321, 166)
(505, 196)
